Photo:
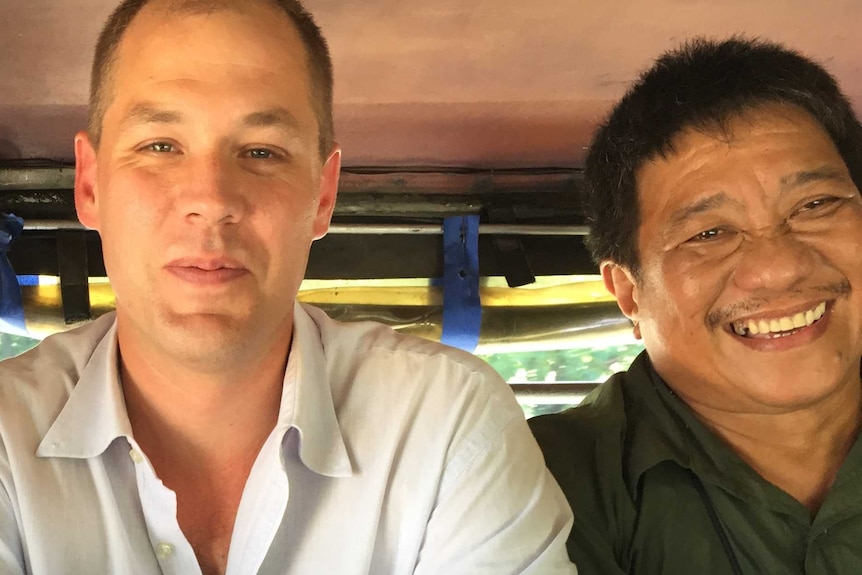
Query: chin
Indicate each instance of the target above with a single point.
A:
(205, 350)
(793, 397)
(202, 332)
(791, 386)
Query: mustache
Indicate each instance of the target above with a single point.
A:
(725, 315)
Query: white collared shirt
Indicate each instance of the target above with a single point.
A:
(392, 455)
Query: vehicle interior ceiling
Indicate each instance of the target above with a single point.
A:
(444, 108)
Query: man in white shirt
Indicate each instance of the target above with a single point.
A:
(214, 425)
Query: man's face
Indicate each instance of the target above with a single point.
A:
(749, 297)
(207, 187)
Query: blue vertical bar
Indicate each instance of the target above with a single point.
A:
(462, 309)
(11, 306)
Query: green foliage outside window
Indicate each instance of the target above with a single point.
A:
(590, 364)
(594, 364)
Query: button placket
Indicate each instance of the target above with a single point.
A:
(169, 545)
(164, 550)
(136, 456)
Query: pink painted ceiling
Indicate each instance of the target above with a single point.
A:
(482, 83)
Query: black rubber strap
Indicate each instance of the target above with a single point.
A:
(716, 523)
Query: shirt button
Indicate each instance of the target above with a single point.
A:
(136, 456)
(164, 550)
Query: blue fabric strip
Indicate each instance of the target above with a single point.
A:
(11, 306)
(462, 310)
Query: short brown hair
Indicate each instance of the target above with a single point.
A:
(318, 60)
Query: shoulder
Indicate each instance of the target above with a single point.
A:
(371, 349)
(585, 444)
(434, 398)
(597, 431)
(586, 450)
(374, 337)
(36, 384)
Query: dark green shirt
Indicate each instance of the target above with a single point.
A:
(627, 460)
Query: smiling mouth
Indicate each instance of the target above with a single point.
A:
(779, 327)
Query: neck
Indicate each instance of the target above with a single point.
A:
(181, 415)
(799, 450)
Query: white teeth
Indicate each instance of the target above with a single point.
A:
(820, 310)
(780, 326)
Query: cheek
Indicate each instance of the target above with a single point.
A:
(282, 224)
(844, 250)
(135, 198)
(281, 235)
(131, 231)
(838, 242)
(134, 228)
(692, 289)
(702, 289)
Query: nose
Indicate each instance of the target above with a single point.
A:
(774, 262)
(211, 194)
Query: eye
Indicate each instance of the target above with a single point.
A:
(707, 235)
(818, 203)
(819, 209)
(160, 147)
(261, 154)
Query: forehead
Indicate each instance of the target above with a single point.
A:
(254, 45)
(759, 146)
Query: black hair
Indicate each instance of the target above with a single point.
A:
(702, 85)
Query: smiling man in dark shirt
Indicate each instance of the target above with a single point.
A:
(727, 221)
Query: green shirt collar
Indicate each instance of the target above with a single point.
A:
(661, 427)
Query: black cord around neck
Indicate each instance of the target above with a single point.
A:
(716, 523)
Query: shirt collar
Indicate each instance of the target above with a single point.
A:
(321, 447)
(662, 427)
(95, 413)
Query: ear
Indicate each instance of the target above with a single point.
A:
(86, 190)
(327, 193)
(622, 285)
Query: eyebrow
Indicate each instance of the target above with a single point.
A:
(680, 215)
(150, 114)
(273, 117)
(823, 174)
